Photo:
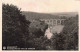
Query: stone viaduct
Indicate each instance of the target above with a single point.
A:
(53, 22)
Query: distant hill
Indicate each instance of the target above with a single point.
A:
(34, 15)
(68, 14)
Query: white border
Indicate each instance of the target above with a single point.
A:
(78, 1)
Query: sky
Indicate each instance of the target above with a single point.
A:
(46, 6)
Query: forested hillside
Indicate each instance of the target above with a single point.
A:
(70, 33)
(71, 24)
(14, 26)
(34, 15)
(68, 38)
(19, 29)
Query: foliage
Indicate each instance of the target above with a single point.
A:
(71, 32)
(37, 28)
(68, 38)
(36, 34)
(16, 30)
(14, 26)
(57, 41)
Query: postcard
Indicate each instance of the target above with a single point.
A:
(40, 25)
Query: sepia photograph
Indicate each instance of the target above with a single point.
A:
(40, 25)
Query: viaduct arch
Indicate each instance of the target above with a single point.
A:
(53, 22)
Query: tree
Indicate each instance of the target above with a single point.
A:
(70, 32)
(36, 34)
(14, 26)
(37, 28)
(57, 41)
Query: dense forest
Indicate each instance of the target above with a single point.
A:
(18, 30)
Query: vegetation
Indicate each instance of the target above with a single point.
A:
(19, 30)
(68, 38)
(70, 32)
(15, 26)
